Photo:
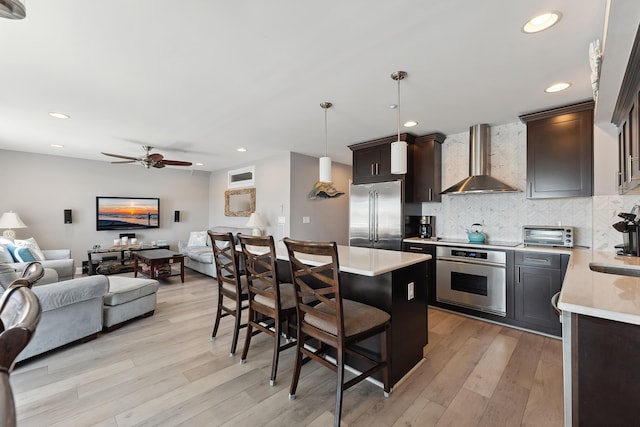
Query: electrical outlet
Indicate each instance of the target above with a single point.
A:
(306, 220)
(410, 291)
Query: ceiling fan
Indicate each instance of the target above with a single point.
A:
(155, 160)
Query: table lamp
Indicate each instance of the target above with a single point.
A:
(256, 221)
(11, 220)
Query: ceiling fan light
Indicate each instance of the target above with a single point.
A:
(399, 157)
(325, 169)
(12, 9)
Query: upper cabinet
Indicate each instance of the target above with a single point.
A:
(625, 116)
(560, 152)
(427, 168)
(372, 160)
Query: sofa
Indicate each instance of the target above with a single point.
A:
(20, 252)
(197, 251)
(71, 309)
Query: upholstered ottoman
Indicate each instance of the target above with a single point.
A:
(127, 299)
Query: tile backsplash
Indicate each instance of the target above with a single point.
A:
(503, 215)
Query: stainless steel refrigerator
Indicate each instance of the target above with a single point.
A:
(376, 218)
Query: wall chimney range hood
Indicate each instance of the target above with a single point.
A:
(479, 180)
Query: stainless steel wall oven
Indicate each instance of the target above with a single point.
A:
(473, 278)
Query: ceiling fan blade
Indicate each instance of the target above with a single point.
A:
(158, 164)
(124, 161)
(120, 156)
(176, 163)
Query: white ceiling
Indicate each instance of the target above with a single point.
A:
(200, 78)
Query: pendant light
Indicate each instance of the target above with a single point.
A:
(12, 9)
(398, 148)
(325, 162)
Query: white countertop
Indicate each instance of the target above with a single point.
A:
(608, 296)
(603, 295)
(497, 245)
(363, 261)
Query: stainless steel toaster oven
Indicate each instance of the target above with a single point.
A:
(547, 235)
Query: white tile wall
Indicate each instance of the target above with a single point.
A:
(503, 215)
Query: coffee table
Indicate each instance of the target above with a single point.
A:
(156, 258)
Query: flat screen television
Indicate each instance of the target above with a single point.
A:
(127, 213)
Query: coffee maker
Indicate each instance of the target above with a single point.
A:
(630, 229)
(427, 224)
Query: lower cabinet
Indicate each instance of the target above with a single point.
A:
(604, 372)
(538, 276)
(431, 265)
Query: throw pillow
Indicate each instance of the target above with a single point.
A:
(197, 238)
(33, 245)
(7, 275)
(5, 255)
(24, 255)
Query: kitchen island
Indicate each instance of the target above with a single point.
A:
(601, 340)
(393, 281)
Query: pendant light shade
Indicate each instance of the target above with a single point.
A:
(325, 169)
(398, 148)
(12, 9)
(325, 162)
(399, 157)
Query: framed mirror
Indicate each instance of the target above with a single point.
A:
(240, 202)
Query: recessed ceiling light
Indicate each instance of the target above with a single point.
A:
(393, 106)
(410, 123)
(541, 22)
(199, 164)
(57, 146)
(241, 149)
(557, 87)
(59, 115)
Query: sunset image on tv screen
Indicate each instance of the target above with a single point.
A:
(121, 213)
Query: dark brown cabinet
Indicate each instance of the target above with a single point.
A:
(538, 276)
(423, 248)
(560, 152)
(427, 168)
(626, 116)
(605, 374)
(372, 160)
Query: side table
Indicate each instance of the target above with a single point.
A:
(155, 259)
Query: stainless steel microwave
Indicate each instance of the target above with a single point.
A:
(547, 235)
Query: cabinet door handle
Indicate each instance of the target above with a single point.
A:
(530, 188)
(372, 169)
(377, 168)
(544, 260)
(430, 197)
(416, 248)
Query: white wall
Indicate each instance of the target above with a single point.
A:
(39, 187)
(329, 218)
(272, 183)
(282, 184)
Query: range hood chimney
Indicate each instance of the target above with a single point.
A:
(479, 180)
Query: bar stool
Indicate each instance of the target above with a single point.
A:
(270, 303)
(232, 286)
(334, 322)
(20, 312)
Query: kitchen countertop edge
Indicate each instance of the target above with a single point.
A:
(603, 295)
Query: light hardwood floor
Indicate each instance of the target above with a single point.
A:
(165, 371)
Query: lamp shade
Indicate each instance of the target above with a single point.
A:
(257, 222)
(12, 9)
(399, 157)
(11, 220)
(325, 169)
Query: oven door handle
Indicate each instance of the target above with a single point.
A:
(470, 261)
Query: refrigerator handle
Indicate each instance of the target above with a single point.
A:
(370, 215)
(375, 203)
